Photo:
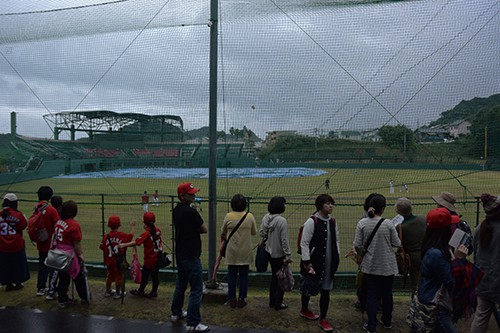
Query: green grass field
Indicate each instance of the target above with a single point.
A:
(99, 198)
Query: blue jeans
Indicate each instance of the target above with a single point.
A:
(444, 323)
(188, 271)
(232, 278)
(378, 288)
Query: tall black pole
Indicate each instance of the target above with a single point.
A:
(212, 164)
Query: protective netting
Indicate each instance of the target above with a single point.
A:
(318, 70)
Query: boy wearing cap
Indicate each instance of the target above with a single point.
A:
(188, 227)
(109, 245)
(151, 239)
(14, 266)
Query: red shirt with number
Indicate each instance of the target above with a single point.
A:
(67, 232)
(12, 224)
(150, 250)
(115, 237)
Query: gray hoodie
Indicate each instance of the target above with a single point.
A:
(275, 228)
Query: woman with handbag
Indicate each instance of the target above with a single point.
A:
(436, 282)
(374, 239)
(237, 231)
(320, 248)
(274, 229)
(68, 237)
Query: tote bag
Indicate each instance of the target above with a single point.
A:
(135, 268)
(261, 258)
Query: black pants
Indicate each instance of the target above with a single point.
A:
(324, 303)
(145, 279)
(275, 292)
(63, 286)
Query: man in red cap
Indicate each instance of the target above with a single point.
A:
(188, 227)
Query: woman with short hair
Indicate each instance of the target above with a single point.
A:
(239, 248)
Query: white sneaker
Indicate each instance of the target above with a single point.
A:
(198, 328)
(41, 292)
(175, 319)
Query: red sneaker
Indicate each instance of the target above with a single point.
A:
(308, 314)
(325, 326)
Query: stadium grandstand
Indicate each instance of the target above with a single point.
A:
(112, 140)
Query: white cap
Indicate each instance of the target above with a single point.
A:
(10, 197)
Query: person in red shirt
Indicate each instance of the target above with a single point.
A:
(13, 264)
(151, 239)
(68, 237)
(109, 245)
(145, 201)
(48, 220)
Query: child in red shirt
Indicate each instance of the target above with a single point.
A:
(109, 245)
(151, 239)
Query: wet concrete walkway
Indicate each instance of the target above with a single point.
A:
(21, 320)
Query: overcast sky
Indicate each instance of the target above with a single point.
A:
(310, 66)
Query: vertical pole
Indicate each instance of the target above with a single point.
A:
(102, 225)
(485, 144)
(212, 165)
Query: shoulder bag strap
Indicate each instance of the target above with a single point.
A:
(369, 240)
(237, 226)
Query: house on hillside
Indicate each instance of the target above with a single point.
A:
(459, 127)
(432, 134)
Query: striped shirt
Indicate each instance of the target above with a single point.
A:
(379, 258)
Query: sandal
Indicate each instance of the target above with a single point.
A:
(137, 292)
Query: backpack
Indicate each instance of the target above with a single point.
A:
(36, 231)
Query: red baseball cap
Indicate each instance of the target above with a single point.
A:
(186, 188)
(114, 222)
(148, 217)
(438, 218)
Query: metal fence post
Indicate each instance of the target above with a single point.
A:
(102, 225)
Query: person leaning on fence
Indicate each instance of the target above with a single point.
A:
(152, 246)
(379, 263)
(69, 238)
(48, 219)
(413, 230)
(436, 282)
(320, 250)
(13, 264)
(110, 246)
(239, 249)
(487, 250)
(274, 227)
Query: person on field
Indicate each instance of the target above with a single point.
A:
(110, 246)
(145, 202)
(239, 249)
(48, 218)
(156, 199)
(320, 248)
(274, 227)
(188, 226)
(379, 263)
(151, 239)
(412, 230)
(13, 263)
(487, 250)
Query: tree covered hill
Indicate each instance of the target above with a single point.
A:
(468, 110)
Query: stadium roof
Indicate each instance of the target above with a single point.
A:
(95, 121)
